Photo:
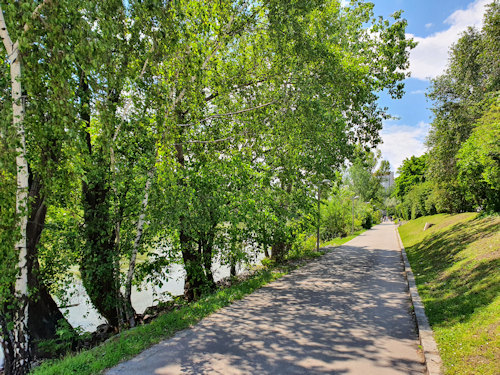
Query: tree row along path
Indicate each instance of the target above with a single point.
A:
(347, 312)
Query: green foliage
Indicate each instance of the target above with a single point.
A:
(478, 161)
(384, 169)
(67, 338)
(304, 247)
(411, 173)
(267, 262)
(461, 170)
(461, 97)
(369, 216)
(419, 201)
(364, 181)
(390, 204)
(337, 215)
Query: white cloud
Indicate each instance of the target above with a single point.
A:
(429, 58)
(402, 141)
(418, 92)
(428, 25)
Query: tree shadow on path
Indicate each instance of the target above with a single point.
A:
(347, 312)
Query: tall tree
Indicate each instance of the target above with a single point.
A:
(33, 315)
(460, 98)
(478, 161)
(113, 149)
(411, 173)
(17, 341)
(244, 84)
(363, 179)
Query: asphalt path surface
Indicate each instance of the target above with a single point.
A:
(347, 312)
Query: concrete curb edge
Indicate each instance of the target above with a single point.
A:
(433, 362)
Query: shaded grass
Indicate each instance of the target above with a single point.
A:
(456, 263)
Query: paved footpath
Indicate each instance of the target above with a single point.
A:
(345, 313)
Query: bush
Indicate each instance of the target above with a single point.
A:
(335, 218)
(421, 200)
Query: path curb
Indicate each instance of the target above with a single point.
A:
(432, 358)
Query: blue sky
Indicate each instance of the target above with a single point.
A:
(435, 25)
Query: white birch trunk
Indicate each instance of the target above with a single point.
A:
(21, 336)
(137, 242)
(20, 333)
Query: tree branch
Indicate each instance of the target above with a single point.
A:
(36, 13)
(206, 142)
(219, 115)
(4, 34)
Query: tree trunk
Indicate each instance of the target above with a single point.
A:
(98, 261)
(193, 260)
(207, 253)
(45, 316)
(232, 269)
(18, 349)
(98, 264)
(21, 345)
(265, 244)
(7, 345)
(129, 310)
(279, 250)
(233, 258)
(193, 264)
(266, 252)
(35, 318)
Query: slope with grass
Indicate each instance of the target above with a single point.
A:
(456, 263)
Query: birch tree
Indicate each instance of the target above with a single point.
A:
(16, 340)
(39, 161)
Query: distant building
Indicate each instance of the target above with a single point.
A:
(387, 180)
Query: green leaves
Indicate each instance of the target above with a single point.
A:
(238, 107)
(478, 161)
(411, 172)
(461, 97)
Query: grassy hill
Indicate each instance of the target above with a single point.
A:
(456, 263)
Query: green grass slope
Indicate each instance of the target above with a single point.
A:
(456, 263)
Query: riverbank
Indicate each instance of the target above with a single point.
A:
(131, 342)
(456, 261)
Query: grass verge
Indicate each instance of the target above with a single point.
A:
(340, 241)
(130, 343)
(456, 263)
